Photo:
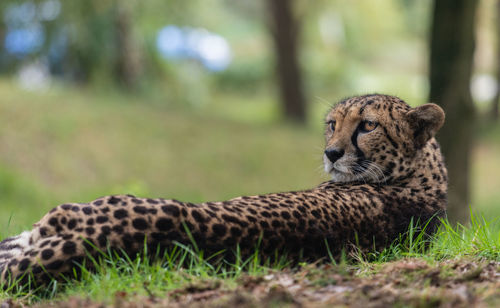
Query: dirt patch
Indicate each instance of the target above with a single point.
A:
(411, 282)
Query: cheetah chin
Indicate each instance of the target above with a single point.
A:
(387, 171)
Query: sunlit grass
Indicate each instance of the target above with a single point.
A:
(478, 239)
(145, 276)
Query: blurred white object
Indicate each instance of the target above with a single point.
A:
(49, 9)
(209, 49)
(34, 76)
(331, 28)
(214, 52)
(483, 88)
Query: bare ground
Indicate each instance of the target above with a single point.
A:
(405, 283)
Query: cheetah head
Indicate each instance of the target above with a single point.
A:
(376, 138)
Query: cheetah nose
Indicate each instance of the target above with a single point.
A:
(334, 154)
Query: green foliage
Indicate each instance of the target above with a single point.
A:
(245, 76)
(359, 48)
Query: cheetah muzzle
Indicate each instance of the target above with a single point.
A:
(386, 170)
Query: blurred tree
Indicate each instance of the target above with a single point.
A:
(451, 61)
(101, 42)
(128, 65)
(285, 30)
(496, 99)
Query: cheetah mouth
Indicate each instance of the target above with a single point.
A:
(343, 172)
(361, 170)
(350, 169)
(334, 169)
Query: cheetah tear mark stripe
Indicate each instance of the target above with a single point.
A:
(359, 154)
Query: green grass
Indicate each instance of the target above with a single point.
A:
(179, 267)
(67, 145)
(479, 239)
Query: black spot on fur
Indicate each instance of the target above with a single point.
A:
(118, 229)
(152, 201)
(101, 219)
(69, 248)
(47, 254)
(114, 200)
(276, 223)
(140, 209)
(316, 213)
(53, 221)
(89, 230)
(55, 265)
(102, 240)
(219, 229)
(24, 264)
(106, 230)
(159, 236)
(71, 224)
(66, 206)
(140, 224)
(139, 237)
(120, 214)
(171, 210)
(285, 215)
(197, 216)
(43, 244)
(235, 231)
(164, 224)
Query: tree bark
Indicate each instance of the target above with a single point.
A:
(451, 61)
(128, 66)
(284, 28)
(496, 99)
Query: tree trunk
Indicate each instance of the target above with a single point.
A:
(128, 66)
(451, 62)
(284, 28)
(496, 99)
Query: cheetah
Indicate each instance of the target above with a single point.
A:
(386, 170)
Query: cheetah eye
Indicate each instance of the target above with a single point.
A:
(368, 126)
(331, 125)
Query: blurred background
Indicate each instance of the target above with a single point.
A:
(209, 99)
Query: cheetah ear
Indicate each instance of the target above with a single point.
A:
(425, 121)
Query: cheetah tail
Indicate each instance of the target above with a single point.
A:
(11, 248)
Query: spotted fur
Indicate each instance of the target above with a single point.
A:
(386, 169)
